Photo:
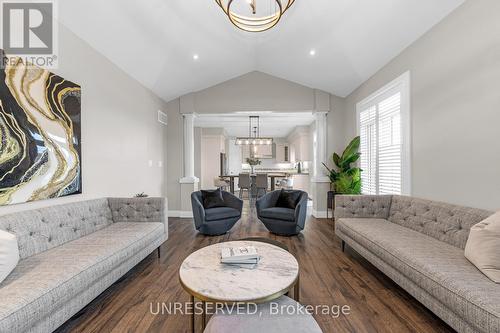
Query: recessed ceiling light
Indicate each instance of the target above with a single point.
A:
(312, 52)
(196, 57)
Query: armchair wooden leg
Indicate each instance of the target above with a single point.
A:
(159, 252)
(343, 246)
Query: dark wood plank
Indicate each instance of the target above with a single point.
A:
(328, 277)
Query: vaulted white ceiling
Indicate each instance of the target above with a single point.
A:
(155, 40)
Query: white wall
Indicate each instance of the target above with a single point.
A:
(120, 133)
(234, 157)
(455, 106)
(175, 152)
(336, 134)
(254, 91)
(197, 153)
(211, 148)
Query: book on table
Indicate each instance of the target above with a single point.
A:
(239, 255)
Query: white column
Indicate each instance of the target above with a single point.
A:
(319, 152)
(189, 177)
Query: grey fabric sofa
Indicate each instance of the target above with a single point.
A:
(218, 220)
(420, 245)
(71, 253)
(279, 220)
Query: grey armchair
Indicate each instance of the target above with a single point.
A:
(218, 220)
(279, 220)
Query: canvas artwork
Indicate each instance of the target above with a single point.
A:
(40, 143)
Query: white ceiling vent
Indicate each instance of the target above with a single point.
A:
(162, 117)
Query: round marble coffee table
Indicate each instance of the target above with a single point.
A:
(206, 279)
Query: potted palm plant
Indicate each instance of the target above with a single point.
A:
(345, 176)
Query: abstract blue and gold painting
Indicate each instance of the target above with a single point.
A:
(40, 134)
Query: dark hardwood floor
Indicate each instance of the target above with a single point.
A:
(328, 277)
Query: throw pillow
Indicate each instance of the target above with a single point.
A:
(9, 254)
(212, 199)
(483, 247)
(288, 199)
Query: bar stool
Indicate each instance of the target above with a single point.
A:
(261, 183)
(244, 183)
(220, 183)
(287, 183)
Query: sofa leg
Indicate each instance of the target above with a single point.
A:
(343, 246)
(159, 252)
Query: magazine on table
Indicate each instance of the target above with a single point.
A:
(242, 256)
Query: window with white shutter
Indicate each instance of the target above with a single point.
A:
(384, 128)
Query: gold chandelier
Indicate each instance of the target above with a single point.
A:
(253, 18)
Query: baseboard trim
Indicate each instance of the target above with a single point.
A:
(179, 213)
(319, 214)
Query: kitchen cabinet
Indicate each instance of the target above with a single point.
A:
(305, 148)
(282, 153)
(234, 158)
(245, 153)
(301, 182)
(211, 148)
(297, 151)
(301, 149)
(257, 151)
(300, 144)
(291, 153)
(263, 151)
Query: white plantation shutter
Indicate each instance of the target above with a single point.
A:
(383, 121)
(390, 146)
(368, 149)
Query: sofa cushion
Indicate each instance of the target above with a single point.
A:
(279, 213)
(445, 222)
(288, 199)
(45, 228)
(438, 268)
(43, 283)
(9, 254)
(212, 199)
(220, 213)
(483, 247)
